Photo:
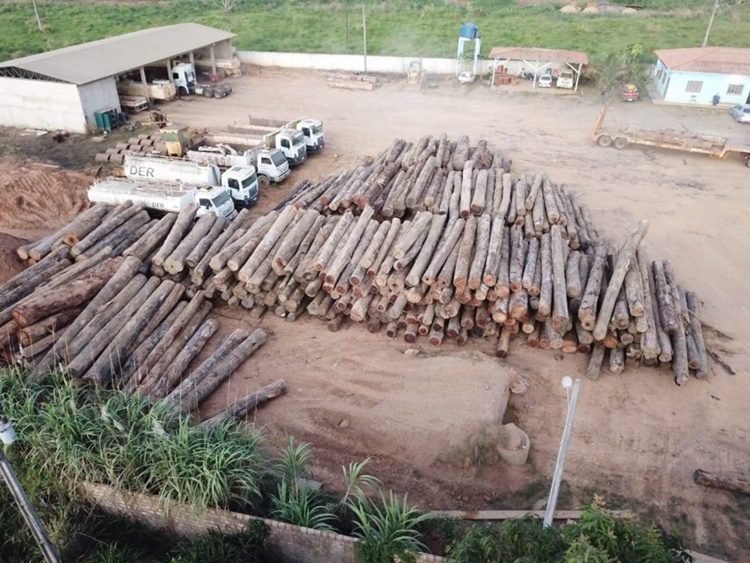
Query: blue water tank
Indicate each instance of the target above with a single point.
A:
(469, 31)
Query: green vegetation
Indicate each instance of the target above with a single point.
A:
(395, 27)
(68, 434)
(597, 537)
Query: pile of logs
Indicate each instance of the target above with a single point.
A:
(436, 240)
(145, 143)
(352, 81)
(105, 319)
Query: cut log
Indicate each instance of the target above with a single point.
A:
(534, 191)
(634, 289)
(443, 252)
(560, 317)
(230, 233)
(200, 249)
(155, 384)
(250, 402)
(519, 199)
(667, 309)
(33, 333)
(176, 261)
(461, 154)
(82, 225)
(187, 351)
(479, 260)
(693, 305)
(111, 221)
(101, 330)
(626, 256)
(426, 252)
(595, 361)
(219, 371)
(517, 258)
(546, 290)
(344, 253)
(734, 482)
(74, 294)
(550, 205)
(465, 253)
(478, 200)
(616, 360)
(181, 226)
(124, 341)
(680, 365)
(266, 244)
(494, 251)
(187, 388)
(573, 275)
(529, 271)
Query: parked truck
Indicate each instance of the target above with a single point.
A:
(668, 139)
(184, 79)
(311, 129)
(241, 181)
(270, 164)
(163, 197)
(291, 142)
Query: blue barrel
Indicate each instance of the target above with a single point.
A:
(469, 31)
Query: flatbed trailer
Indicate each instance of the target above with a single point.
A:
(712, 145)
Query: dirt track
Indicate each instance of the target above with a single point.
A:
(636, 435)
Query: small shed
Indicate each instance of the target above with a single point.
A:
(519, 60)
(695, 75)
(63, 89)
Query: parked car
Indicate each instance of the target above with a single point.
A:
(629, 93)
(545, 80)
(565, 79)
(741, 112)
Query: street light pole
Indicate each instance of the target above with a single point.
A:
(710, 22)
(571, 388)
(49, 552)
(364, 35)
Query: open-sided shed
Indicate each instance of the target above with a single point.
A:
(517, 59)
(63, 89)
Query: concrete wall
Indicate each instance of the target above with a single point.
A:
(98, 96)
(37, 104)
(354, 63)
(290, 544)
(673, 85)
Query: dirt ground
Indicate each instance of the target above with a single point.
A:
(428, 421)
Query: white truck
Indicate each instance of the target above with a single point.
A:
(565, 79)
(163, 197)
(184, 79)
(291, 142)
(270, 165)
(241, 181)
(311, 129)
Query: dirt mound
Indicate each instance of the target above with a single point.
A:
(10, 264)
(33, 198)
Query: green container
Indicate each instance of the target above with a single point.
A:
(106, 120)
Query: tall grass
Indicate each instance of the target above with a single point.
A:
(396, 27)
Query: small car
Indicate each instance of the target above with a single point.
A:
(741, 112)
(629, 93)
(545, 81)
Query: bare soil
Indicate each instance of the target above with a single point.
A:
(428, 421)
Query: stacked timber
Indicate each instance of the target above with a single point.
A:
(435, 240)
(105, 318)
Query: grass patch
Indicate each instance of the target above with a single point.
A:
(397, 27)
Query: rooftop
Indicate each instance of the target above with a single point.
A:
(541, 55)
(723, 60)
(95, 60)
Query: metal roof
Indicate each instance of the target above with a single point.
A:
(541, 55)
(723, 60)
(87, 62)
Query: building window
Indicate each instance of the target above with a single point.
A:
(658, 73)
(735, 89)
(694, 86)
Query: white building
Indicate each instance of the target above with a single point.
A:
(695, 75)
(63, 89)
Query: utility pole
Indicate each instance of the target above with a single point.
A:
(567, 384)
(710, 23)
(8, 436)
(364, 34)
(38, 19)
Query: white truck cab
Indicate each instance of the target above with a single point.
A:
(242, 183)
(292, 143)
(270, 164)
(312, 129)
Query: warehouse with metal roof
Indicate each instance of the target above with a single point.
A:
(64, 89)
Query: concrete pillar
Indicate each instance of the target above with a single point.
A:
(213, 60)
(192, 59)
(145, 84)
(169, 70)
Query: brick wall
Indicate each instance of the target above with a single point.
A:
(291, 544)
